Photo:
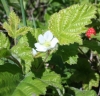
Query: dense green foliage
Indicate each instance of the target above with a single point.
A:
(72, 68)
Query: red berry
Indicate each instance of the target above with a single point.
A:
(91, 31)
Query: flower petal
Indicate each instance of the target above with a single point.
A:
(37, 45)
(34, 51)
(54, 42)
(41, 39)
(40, 47)
(48, 36)
(41, 50)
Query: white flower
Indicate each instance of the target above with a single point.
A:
(46, 42)
(34, 52)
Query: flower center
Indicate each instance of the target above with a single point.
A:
(47, 44)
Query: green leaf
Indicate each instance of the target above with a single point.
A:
(23, 31)
(94, 82)
(8, 28)
(35, 86)
(69, 23)
(83, 71)
(84, 74)
(2, 61)
(8, 83)
(23, 40)
(4, 52)
(13, 21)
(97, 36)
(12, 24)
(69, 53)
(78, 92)
(4, 41)
(93, 45)
(52, 79)
(36, 33)
(31, 37)
(72, 59)
(30, 87)
(11, 68)
(86, 93)
(25, 53)
(83, 50)
(85, 1)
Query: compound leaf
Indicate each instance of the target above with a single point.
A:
(12, 26)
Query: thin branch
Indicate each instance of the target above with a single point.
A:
(85, 55)
(37, 3)
(99, 92)
(44, 61)
(96, 1)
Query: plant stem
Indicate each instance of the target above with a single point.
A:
(23, 12)
(46, 57)
(34, 23)
(6, 6)
(44, 61)
(99, 92)
(15, 41)
(95, 1)
(85, 55)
